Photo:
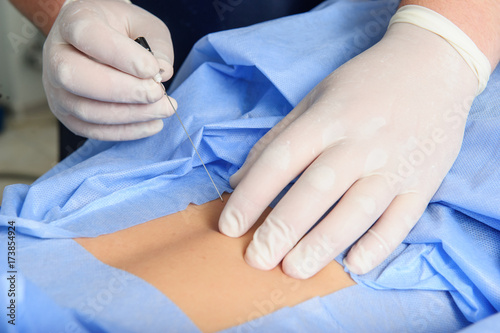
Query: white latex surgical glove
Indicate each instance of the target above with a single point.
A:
(98, 80)
(378, 135)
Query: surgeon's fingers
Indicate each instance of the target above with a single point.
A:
(358, 209)
(386, 234)
(98, 112)
(317, 189)
(98, 81)
(262, 144)
(164, 57)
(89, 31)
(102, 132)
(280, 162)
(158, 37)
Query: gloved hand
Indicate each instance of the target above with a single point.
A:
(98, 80)
(379, 134)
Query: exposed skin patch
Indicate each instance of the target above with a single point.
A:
(185, 257)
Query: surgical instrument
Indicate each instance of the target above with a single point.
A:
(142, 41)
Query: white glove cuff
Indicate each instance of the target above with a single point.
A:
(68, 1)
(441, 26)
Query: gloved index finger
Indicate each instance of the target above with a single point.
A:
(87, 31)
(158, 77)
(158, 36)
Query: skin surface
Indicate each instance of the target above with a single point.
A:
(199, 269)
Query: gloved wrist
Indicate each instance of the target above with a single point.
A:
(430, 20)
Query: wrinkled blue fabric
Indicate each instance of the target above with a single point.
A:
(232, 89)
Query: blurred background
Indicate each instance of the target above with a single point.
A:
(28, 130)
